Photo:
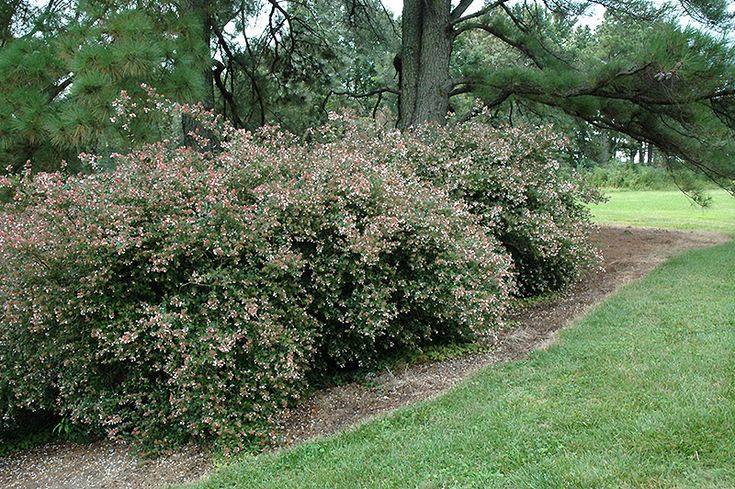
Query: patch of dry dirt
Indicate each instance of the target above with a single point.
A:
(628, 254)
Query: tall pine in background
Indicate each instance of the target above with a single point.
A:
(642, 79)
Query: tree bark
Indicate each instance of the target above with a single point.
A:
(649, 155)
(201, 11)
(424, 62)
(604, 148)
(7, 12)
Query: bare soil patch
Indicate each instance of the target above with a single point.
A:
(628, 253)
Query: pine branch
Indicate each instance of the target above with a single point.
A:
(226, 94)
(56, 90)
(371, 93)
(499, 34)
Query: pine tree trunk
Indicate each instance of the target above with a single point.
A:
(7, 12)
(649, 156)
(424, 62)
(201, 10)
(604, 148)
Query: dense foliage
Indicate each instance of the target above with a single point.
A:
(186, 295)
(631, 176)
(62, 63)
(66, 63)
(512, 179)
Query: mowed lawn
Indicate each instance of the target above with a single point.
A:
(639, 393)
(667, 210)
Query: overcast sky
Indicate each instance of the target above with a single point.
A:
(394, 5)
(397, 5)
(594, 18)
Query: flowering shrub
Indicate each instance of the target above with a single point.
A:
(186, 295)
(511, 179)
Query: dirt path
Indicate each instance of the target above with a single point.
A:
(628, 254)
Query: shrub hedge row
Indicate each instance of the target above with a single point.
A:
(187, 295)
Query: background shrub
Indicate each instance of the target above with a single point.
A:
(628, 176)
(186, 295)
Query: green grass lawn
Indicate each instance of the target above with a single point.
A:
(639, 393)
(667, 210)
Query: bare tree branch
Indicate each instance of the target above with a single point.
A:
(226, 94)
(377, 91)
(485, 10)
(246, 69)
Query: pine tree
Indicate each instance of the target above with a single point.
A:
(644, 75)
(63, 64)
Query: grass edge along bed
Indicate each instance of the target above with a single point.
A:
(638, 393)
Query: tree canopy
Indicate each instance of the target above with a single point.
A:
(661, 73)
(63, 63)
(642, 73)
